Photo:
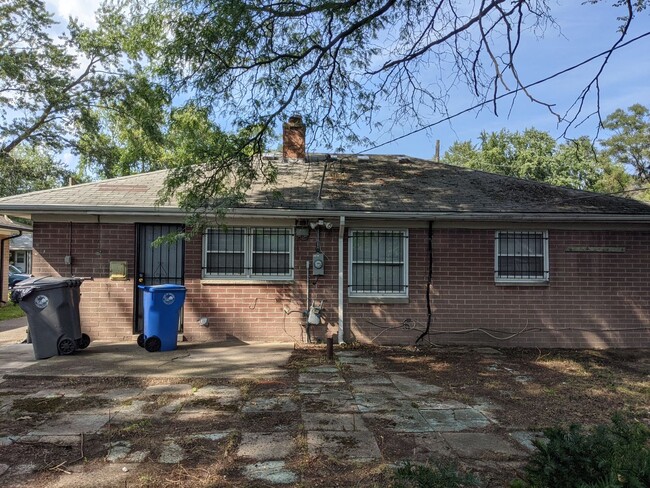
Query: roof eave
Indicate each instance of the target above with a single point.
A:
(308, 212)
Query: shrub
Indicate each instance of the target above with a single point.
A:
(431, 476)
(609, 456)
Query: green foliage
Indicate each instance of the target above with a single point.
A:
(30, 169)
(213, 169)
(84, 91)
(535, 155)
(432, 476)
(630, 143)
(609, 456)
(126, 133)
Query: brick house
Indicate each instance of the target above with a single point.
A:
(507, 262)
(9, 230)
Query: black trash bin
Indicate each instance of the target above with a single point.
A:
(52, 308)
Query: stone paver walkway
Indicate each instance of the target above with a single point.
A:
(322, 415)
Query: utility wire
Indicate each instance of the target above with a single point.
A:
(503, 95)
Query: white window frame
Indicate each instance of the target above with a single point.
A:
(405, 262)
(521, 280)
(248, 252)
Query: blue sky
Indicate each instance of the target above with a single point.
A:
(582, 30)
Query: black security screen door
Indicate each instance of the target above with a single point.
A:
(157, 265)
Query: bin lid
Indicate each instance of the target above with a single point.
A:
(25, 288)
(162, 288)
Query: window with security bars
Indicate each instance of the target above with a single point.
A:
(378, 263)
(521, 256)
(248, 252)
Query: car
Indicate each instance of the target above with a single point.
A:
(16, 276)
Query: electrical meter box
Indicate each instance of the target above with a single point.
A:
(319, 264)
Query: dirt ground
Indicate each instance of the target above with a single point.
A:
(535, 388)
(527, 390)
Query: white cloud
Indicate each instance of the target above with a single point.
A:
(84, 10)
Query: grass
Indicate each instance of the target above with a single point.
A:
(11, 311)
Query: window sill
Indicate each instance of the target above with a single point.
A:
(386, 300)
(522, 282)
(245, 281)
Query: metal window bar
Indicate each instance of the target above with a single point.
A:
(377, 262)
(249, 252)
(521, 255)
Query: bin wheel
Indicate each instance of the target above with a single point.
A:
(141, 340)
(84, 342)
(152, 344)
(66, 346)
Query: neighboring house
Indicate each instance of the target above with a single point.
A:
(511, 262)
(9, 230)
(20, 252)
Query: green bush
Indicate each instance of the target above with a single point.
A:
(609, 456)
(430, 476)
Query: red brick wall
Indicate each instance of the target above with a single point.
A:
(587, 294)
(106, 306)
(239, 311)
(256, 312)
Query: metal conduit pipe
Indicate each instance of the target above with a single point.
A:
(341, 268)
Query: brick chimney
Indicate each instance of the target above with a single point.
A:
(293, 138)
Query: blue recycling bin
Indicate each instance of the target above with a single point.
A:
(161, 307)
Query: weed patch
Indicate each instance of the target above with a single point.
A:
(431, 475)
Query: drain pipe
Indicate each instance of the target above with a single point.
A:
(341, 235)
(2, 262)
(308, 325)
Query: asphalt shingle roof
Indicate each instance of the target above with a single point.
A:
(395, 184)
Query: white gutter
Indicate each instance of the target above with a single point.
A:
(302, 213)
(341, 235)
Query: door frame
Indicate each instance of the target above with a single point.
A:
(136, 267)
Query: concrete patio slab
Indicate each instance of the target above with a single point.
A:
(109, 475)
(404, 419)
(265, 446)
(370, 379)
(71, 424)
(455, 420)
(177, 390)
(413, 388)
(207, 360)
(526, 438)
(327, 421)
(477, 445)
(330, 401)
(351, 446)
(225, 394)
(321, 378)
(280, 403)
(171, 453)
(324, 368)
(274, 472)
(355, 360)
(429, 445)
(14, 357)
